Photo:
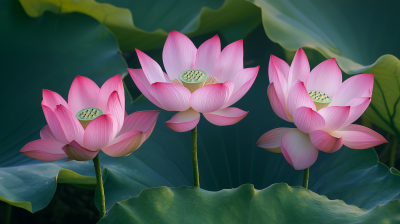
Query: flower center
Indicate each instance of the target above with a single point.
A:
(320, 99)
(193, 79)
(85, 116)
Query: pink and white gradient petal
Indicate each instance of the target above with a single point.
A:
(46, 133)
(276, 104)
(125, 144)
(82, 94)
(184, 121)
(276, 76)
(325, 142)
(298, 149)
(326, 77)
(298, 97)
(151, 68)
(307, 120)
(171, 96)
(356, 86)
(111, 85)
(358, 106)
(299, 69)
(54, 124)
(77, 152)
(334, 117)
(100, 132)
(359, 137)
(114, 107)
(212, 97)
(44, 150)
(207, 55)
(226, 116)
(229, 62)
(243, 80)
(72, 129)
(143, 121)
(271, 141)
(281, 65)
(52, 99)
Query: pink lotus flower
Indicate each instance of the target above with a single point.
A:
(321, 107)
(203, 80)
(93, 119)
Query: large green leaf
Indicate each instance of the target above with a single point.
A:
(356, 33)
(278, 203)
(145, 24)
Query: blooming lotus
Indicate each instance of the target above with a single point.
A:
(93, 119)
(322, 108)
(203, 80)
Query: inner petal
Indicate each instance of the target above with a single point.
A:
(85, 116)
(320, 99)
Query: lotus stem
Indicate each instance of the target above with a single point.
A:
(306, 173)
(8, 213)
(393, 147)
(100, 188)
(195, 163)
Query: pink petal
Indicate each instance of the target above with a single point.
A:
(298, 97)
(54, 124)
(151, 68)
(326, 77)
(307, 120)
(334, 117)
(358, 106)
(298, 149)
(360, 137)
(100, 132)
(281, 65)
(276, 104)
(271, 140)
(125, 144)
(44, 150)
(179, 54)
(171, 96)
(114, 107)
(46, 133)
(140, 121)
(143, 85)
(212, 97)
(229, 62)
(207, 55)
(73, 130)
(299, 69)
(325, 142)
(243, 80)
(184, 121)
(82, 94)
(355, 86)
(77, 152)
(226, 116)
(276, 76)
(111, 85)
(52, 99)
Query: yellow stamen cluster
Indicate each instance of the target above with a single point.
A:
(211, 80)
(176, 81)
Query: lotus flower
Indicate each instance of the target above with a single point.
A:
(321, 107)
(93, 119)
(203, 80)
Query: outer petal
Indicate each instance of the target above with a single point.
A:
(307, 120)
(179, 54)
(114, 107)
(82, 94)
(78, 153)
(100, 132)
(184, 121)
(277, 77)
(229, 61)
(173, 97)
(46, 133)
(243, 80)
(54, 124)
(334, 117)
(143, 121)
(326, 77)
(281, 65)
(325, 142)
(125, 144)
(299, 69)
(73, 130)
(226, 116)
(298, 97)
(143, 84)
(212, 97)
(52, 99)
(271, 141)
(353, 87)
(360, 137)
(111, 85)
(44, 150)
(276, 104)
(207, 55)
(151, 68)
(298, 149)
(358, 106)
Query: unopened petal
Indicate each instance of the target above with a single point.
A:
(171, 96)
(44, 150)
(271, 141)
(226, 116)
(207, 55)
(359, 137)
(212, 97)
(184, 121)
(326, 77)
(82, 94)
(229, 61)
(325, 142)
(78, 153)
(308, 120)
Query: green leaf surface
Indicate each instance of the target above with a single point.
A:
(278, 203)
(359, 34)
(145, 24)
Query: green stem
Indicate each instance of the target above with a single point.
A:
(194, 158)
(8, 213)
(393, 147)
(306, 173)
(102, 199)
